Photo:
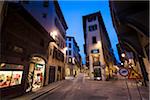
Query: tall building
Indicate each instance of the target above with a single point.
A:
(24, 47)
(99, 54)
(130, 20)
(49, 15)
(32, 46)
(73, 58)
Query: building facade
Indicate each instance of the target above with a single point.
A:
(99, 54)
(49, 15)
(24, 48)
(130, 20)
(73, 58)
(32, 46)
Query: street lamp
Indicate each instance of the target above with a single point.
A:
(123, 55)
(54, 34)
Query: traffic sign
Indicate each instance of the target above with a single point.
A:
(134, 75)
(123, 72)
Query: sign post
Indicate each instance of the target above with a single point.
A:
(124, 72)
(135, 75)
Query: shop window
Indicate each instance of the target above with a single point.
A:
(45, 3)
(93, 39)
(10, 75)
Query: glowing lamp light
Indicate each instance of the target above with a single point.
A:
(123, 55)
(98, 42)
(65, 48)
(53, 34)
(121, 63)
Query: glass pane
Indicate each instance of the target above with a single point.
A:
(5, 77)
(16, 78)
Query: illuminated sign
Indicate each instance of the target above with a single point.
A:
(95, 51)
(10, 66)
(39, 65)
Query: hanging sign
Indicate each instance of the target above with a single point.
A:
(123, 72)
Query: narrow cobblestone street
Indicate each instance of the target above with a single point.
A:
(83, 89)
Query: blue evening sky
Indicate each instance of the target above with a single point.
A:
(73, 12)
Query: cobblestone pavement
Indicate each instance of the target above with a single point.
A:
(86, 89)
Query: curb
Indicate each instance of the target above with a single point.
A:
(36, 95)
(44, 92)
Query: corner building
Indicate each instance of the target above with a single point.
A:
(97, 47)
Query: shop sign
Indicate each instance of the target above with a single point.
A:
(95, 51)
(39, 65)
(10, 66)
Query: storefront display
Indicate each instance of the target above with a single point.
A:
(16, 78)
(5, 78)
(36, 74)
(10, 75)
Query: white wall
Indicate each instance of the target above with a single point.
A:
(90, 46)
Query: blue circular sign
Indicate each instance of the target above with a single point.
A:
(123, 72)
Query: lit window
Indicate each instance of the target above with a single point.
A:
(70, 60)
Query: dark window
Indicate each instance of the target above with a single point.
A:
(66, 52)
(89, 19)
(69, 45)
(69, 52)
(44, 15)
(92, 18)
(93, 27)
(90, 28)
(69, 39)
(93, 39)
(45, 3)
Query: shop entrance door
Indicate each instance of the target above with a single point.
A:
(51, 74)
(97, 73)
(36, 74)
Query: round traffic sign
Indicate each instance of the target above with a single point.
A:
(123, 72)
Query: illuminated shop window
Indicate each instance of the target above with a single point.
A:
(10, 75)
